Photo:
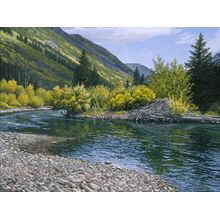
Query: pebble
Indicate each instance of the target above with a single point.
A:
(23, 167)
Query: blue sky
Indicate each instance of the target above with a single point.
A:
(141, 45)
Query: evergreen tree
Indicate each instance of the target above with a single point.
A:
(216, 78)
(142, 80)
(83, 71)
(201, 72)
(94, 77)
(137, 77)
(127, 84)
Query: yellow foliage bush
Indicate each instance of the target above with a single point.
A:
(30, 90)
(100, 96)
(36, 102)
(3, 97)
(23, 99)
(178, 107)
(12, 100)
(131, 98)
(12, 85)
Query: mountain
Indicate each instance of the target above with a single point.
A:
(49, 56)
(142, 69)
(100, 53)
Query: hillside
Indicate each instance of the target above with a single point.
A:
(48, 57)
(143, 69)
(100, 53)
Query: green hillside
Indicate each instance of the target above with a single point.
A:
(100, 53)
(48, 57)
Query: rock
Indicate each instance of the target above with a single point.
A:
(107, 162)
(86, 188)
(94, 186)
(24, 171)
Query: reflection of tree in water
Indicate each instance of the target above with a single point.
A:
(85, 132)
(203, 153)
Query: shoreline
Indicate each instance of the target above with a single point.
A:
(181, 119)
(14, 110)
(24, 171)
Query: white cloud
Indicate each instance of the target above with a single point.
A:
(186, 38)
(121, 35)
(214, 43)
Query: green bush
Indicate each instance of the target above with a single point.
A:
(170, 80)
(215, 107)
(4, 105)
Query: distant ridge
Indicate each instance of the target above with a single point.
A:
(143, 69)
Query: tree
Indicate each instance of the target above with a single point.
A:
(142, 80)
(170, 81)
(127, 84)
(83, 71)
(94, 77)
(137, 77)
(200, 69)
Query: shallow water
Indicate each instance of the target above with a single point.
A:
(186, 155)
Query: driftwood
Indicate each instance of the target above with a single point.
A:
(158, 110)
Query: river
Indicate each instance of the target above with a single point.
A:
(186, 155)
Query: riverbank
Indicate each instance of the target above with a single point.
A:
(13, 110)
(21, 170)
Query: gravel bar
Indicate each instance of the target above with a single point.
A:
(21, 170)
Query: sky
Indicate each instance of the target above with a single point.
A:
(142, 45)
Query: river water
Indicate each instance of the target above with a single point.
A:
(186, 155)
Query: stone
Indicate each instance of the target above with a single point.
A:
(94, 186)
(108, 162)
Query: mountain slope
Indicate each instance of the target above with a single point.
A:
(142, 69)
(100, 53)
(49, 56)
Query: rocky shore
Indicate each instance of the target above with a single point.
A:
(21, 170)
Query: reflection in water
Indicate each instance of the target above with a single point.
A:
(186, 155)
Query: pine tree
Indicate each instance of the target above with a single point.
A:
(137, 77)
(94, 77)
(83, 71)
(201, 70)
(142, 80)
(127, 84)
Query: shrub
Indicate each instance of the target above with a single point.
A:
(215, 107)
(12, 100)
(74, 99)
(30, 90)
(19, 90)
(142, 96)
(4, 105)
(12, 85)
(178, 107)
(211, 113)
(131, 98)
(36, 102)
(3, 86)
(23, 99)
(79, 101)
(100, 96)
(48, 100)
(3, 97)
